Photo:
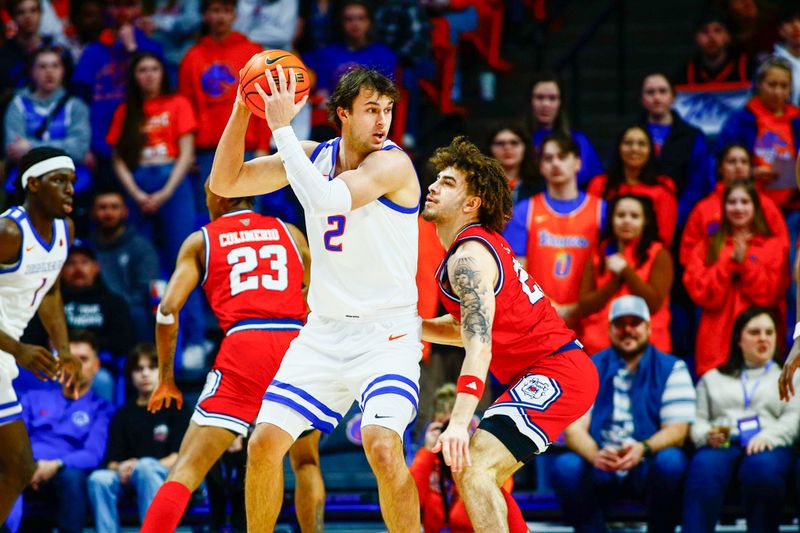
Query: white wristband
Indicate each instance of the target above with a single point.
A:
(796, 331)
(161, 318)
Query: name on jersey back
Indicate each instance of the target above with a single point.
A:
(248, 235)
(46, 266)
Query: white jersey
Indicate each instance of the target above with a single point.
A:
(23, 284)
(363, 263)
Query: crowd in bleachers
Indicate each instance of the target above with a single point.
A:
(702, 226)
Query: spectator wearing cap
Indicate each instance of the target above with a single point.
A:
(789, 47)
(68, 437)
(715, 59)
(142, 446)
(89, 305)
(630, 441)
(128, 261)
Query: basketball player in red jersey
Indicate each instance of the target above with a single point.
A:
(506, 325)
(253, 269)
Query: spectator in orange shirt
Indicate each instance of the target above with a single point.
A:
(152, 133)
(635, 170)
(735, 163)
(742, 264)
(629, 260)
(209, 78)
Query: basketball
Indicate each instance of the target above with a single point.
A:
(255, 69)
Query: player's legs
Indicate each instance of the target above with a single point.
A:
(16, 464)
(309, 489)
(201, 447)
(264, 482)
(396, 489)
(479, 484)
(387, 377)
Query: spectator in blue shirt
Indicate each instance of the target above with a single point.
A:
(68, 437)
(630, 441)
(357, 48)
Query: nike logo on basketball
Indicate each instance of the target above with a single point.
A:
(395, 337)
(384, 416)
(269, 61)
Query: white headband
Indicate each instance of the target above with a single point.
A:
(48, 165)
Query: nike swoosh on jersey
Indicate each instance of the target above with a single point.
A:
(395, 337)
(29, 248)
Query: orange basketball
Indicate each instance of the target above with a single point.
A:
(255, 69)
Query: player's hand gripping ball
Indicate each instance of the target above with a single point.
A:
(258, 66)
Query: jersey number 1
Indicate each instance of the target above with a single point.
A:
(245, 260)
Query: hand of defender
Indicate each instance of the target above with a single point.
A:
(163, 396)
(70, 373)
(454, 445)
(38, 360)
(786, 379)
(279, 105)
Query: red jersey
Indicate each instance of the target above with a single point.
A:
(526, 327)
(253, 271)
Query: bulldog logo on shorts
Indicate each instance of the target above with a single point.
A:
(536, 391)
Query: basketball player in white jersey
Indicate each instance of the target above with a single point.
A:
(361, 195)
(34, 240)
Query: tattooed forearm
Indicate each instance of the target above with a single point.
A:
(466, 283)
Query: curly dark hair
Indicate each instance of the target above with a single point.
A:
(350, 85)
(485, 179)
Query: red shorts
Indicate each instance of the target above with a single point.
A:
(246, 363)
(551, 395)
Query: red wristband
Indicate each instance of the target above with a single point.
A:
(470, 385)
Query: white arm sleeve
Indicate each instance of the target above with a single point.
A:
(317, 195)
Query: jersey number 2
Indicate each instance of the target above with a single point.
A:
(533, 291)
(338, 222)
(245, 260)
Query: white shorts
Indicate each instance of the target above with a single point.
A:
(332, 362)
(10, 408)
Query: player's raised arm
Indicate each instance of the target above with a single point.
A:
(231, 176)
(382, 173)
(473, 274)
(188, 271)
